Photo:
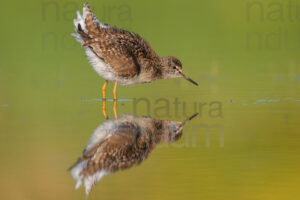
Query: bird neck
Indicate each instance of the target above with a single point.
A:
(165, 69)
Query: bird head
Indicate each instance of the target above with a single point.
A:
(173, 129)
(172, 68)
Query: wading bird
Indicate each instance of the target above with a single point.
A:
(120, 144)
(121, 56)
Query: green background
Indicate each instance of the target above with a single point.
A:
(244, 55)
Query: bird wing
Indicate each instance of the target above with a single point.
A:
(121, 139)
(108, 156)
(111, 154)
(124, 52)
(119, 58)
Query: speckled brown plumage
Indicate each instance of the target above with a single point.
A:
(128, 58)
(128, 145)
(123, 51)
(123, 143)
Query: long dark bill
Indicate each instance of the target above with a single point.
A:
(188, 79)
(189, 119)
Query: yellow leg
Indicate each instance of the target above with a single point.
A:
(104, 109)
(115, 100)
(115, 90)
(115, 109)
(103, 90)
(104, 100)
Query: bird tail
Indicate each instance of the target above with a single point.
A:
(89, 180)
(87, 25)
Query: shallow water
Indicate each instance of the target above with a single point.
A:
(245, 143)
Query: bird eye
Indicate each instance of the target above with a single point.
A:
(174, 67)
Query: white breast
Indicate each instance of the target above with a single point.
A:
(99, 65)
(104, 70)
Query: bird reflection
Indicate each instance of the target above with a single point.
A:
(121, 143)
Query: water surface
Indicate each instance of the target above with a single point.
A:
(245, 143)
